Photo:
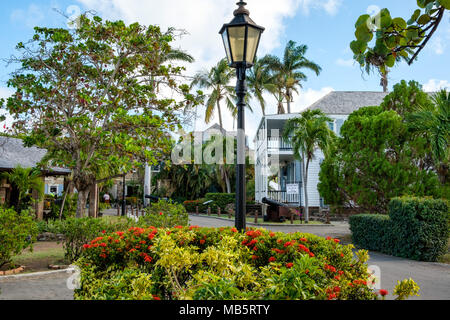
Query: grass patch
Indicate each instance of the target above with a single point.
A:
(44, 254)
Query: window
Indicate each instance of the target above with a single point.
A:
(54, 189)
(339, 123)
(331, 125)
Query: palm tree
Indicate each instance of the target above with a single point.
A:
(260, 80)
(308, 133)
(433, 122)
(217, 80)
(288, 71)
(25, 179)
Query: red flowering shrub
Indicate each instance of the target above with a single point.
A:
(193, 263)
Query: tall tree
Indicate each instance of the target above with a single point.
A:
(217, 81)
(260, 80)
(288, 71)
(308, 133)
(87, 96)
(377, 158)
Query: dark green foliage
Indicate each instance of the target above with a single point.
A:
(416, 228)
(164, 214)
(17, 232)
(370, 231)
(378, 157)
(220, 200)
(419, 227)
(78, 231)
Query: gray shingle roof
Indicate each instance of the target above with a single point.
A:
(345, 102)
(13, 153)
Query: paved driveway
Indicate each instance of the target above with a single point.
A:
(45, 287)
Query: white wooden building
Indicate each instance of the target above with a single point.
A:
(278, 170)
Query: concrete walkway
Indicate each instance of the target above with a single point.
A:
(41, 287)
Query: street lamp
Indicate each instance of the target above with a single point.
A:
(241, 40)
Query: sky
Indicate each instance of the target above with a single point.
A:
(325, 26)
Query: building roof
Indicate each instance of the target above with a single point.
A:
(13, 154)
(216, 128)
(345, 102)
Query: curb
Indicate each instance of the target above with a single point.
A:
(12, 271)
(35, 274)
(267, 225)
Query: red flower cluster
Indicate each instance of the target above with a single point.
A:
(329, 268)
(383, 292)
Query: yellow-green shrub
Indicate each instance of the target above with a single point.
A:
(221, 263)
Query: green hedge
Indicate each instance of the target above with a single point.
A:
(220, 200)
(416, 228)
(370, 231)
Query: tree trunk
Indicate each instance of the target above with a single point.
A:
(280, 108)
(81, 203)
(384, 81)
(288, 100)
(305, 187)
(220, 114)
(93, 201)
(66, 191)
(227, 179)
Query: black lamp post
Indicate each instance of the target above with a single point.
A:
(124, 202)
(241, 40)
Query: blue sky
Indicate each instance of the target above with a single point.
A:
(326, 26)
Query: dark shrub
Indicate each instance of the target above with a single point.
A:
(419, 227)
(370, 231)
(220, 200)
(416, 228)
(17, 232)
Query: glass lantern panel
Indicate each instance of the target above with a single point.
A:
(237, 42)
(252, 43)
(227, 45)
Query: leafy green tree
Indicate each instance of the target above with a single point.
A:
(395, 39)
(87, 95)
(374, 160)
(309, 133)
(25, 180)
(288, 71)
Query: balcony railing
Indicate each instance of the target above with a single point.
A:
(278, 143)
(283, 197)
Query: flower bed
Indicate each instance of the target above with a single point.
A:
(220, 263)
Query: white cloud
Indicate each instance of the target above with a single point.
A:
(345, 63)
(330, 6)
(30, 17)
(308, 97)
(434, 85)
